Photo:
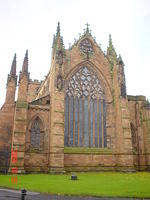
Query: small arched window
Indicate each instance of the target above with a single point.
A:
(133, 134)
(36, 139)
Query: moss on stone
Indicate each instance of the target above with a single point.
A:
(83, 150)
(136, 98)
(20, 104)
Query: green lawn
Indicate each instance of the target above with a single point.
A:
(92, 184)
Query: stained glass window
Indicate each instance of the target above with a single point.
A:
(84, 83)
(85, 110)
(36, 133)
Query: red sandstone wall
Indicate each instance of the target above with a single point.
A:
(146, 129)
(96, 162)
(33, 90)
(37, 159)
(140, 119)
(6, 129)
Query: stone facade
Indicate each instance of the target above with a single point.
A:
(79, 118)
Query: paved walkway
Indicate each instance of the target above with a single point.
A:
(6, 194)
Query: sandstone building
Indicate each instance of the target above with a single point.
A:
(79, 118)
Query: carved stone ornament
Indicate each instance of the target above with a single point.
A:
(59, 83)
(86, 46)
(59, 57)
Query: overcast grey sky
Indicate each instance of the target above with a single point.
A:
(30, 24)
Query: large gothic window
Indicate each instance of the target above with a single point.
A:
(85, 110)
(36, 139)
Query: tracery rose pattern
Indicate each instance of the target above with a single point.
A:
(86, 46)
(84, 83)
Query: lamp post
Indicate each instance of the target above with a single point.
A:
(23, 194)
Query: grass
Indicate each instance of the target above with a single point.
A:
(109, 184)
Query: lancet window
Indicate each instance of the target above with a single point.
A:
(36, 139)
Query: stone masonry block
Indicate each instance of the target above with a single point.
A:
(20, 139)
(125, 113)
(127, 133)
(57, 140)
(125, 123)
(123, 103)
(59, 105)
(57, 160)
(58, 117)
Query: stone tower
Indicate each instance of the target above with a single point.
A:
(7, 118)
(11, 83)
(57, 104)
(20, 117)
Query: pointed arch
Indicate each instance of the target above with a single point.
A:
(103, 80)
(37, 115)
(85, 109)
(36, 132)
(84, 82)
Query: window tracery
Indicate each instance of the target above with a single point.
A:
(86, 46)
(84, 83)
(36, 139)
(85, 110)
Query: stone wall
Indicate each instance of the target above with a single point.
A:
(37, 159)
(127, 118)
(33, 88)
(6, 129)
(96, 162)
(140, 126)
(117, 122)
(145, 116)
(56, 161)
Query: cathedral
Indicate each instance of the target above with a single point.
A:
(79, 118)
